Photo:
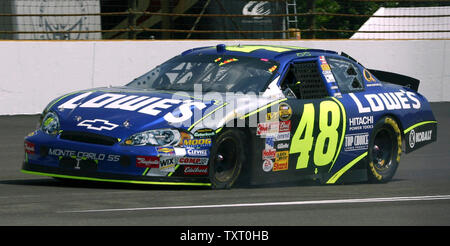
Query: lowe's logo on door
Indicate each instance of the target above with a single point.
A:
(98, 125)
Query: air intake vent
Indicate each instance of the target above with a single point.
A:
(87, 137)
(311, 84)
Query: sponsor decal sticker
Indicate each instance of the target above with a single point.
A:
(325, 67)
(142, 104)
(147, 161)
(267, 128)
(285, 111)
(267, 165)
(196, 170)
(419, 137)
(193, 161)
(283, 136)
(197, 152)
(272, 116)
(202, 142)
(165, 151)
(281, 161)
(283, 146)
(386, 101)
(328, 76)
(285, 126)
(167, 164)
(354, 142)
(269, 143)
(204, 133)
(359, 123)
(368, 76)
(29, 147)
(269, 153)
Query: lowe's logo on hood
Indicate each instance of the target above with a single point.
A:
(142, 104)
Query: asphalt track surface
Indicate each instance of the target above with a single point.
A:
(419, 195)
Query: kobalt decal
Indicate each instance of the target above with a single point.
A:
(419, 137)
(389, 101)
(142, 104)
(82, 154)
(98, 124)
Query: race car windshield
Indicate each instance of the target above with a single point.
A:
(212, 72)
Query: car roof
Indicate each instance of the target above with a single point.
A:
(272, 52)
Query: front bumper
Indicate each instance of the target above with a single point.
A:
(51, 156)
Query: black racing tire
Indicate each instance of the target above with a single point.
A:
(227, 157)
(385, 148)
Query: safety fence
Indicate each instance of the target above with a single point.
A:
(224, 19)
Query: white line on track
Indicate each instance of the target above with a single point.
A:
(262, 204)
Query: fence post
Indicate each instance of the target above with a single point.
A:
(311, 19)
(131, 19)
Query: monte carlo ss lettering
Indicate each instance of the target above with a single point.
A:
(227, 115)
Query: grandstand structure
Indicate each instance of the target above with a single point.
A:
(421, 23)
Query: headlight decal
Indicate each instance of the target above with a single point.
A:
(159, 137)
(50, 123)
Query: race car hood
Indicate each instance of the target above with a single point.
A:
(122, 111)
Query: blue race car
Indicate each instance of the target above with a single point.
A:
(222, 115)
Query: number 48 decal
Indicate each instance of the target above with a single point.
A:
(329, 134)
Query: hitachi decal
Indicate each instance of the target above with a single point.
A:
(359, 123)
(142, 104)
(389, 101)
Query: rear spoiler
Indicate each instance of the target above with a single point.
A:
(395, 78)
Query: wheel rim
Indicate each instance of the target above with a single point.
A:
(226, 160)
(383, 149)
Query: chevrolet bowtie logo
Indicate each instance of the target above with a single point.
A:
(98, 124)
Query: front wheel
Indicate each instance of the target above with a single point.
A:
(227, 157)
(384, 151)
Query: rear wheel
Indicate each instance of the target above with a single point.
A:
(384, 151)
(227, 157)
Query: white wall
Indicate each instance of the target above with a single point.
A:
(34, 72)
